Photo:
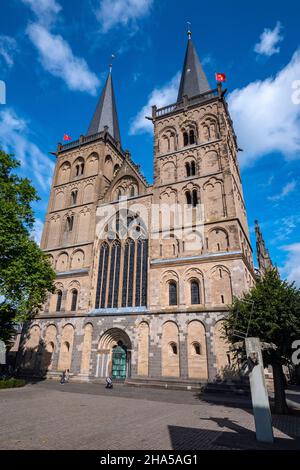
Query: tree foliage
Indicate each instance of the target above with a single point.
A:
(25, 272)
(271, 312)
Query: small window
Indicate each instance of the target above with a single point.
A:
(74, 194)
(195, 198)
(116, 168)
(197, 349)
(58, 300)
(77, 170)
(70, 223)
(193, 168)
(74, 300)
(173, 349)
(132, 191)
(172, 293)
(195, 293)
(185, 139)
(192, 137)
(81, 168)
(188, 198)
(188, 169)
(222, 299)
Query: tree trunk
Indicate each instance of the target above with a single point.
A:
(279, 390)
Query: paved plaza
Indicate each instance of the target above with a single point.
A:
(47, 415)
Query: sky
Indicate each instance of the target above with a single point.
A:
(55, 56)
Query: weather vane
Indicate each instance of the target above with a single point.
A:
(189, 24)
(110, 65)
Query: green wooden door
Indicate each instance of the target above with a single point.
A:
(119, 363)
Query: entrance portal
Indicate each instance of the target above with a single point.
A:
(119, 361)
(114, 355)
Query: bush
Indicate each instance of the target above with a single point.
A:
(12, 383)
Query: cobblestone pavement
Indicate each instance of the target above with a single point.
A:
(48, 415)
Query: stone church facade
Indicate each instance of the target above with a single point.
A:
(135, 299)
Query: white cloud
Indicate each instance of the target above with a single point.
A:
(269, 40)
(286, 190)
(57, 58)
(14, 139)
(266, 119)
(8, 48)
(37, 231)
(124, 12)
(160, 97)
(291, 268)
(45, 10)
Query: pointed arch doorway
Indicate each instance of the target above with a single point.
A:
(114, 355)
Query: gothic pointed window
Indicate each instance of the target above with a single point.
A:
(195, 292)
(74, 300)
(58, 300)
(188, 169)
(172, 293)
(102, 276)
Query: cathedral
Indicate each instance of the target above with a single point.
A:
(145, 272)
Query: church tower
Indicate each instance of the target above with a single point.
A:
(145, 298)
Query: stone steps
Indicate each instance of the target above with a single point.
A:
(170, 384)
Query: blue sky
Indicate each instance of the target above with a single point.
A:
(54, 58)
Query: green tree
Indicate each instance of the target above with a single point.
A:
(275, 319)
(25, 272)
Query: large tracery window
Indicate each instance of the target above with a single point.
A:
(102, 276)
(114, 274)
(128, 273)
(123, 268)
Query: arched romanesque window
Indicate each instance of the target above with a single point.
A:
(196, 349)
(74, 300)
(74, 195)
(185, 139)
(195, 198)
(192, 137)
(58, 300)
(70, 223)
(188, 169)
(188, 198)
(195, 292)
(172, 293)
(193, 168)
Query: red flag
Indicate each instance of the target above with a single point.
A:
(67, 137)
(220, 77)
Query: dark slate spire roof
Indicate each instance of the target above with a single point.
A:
(193, 79)
(106, 112)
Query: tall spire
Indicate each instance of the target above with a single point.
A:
(106, 112)
(193, 79)
(263, 256)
